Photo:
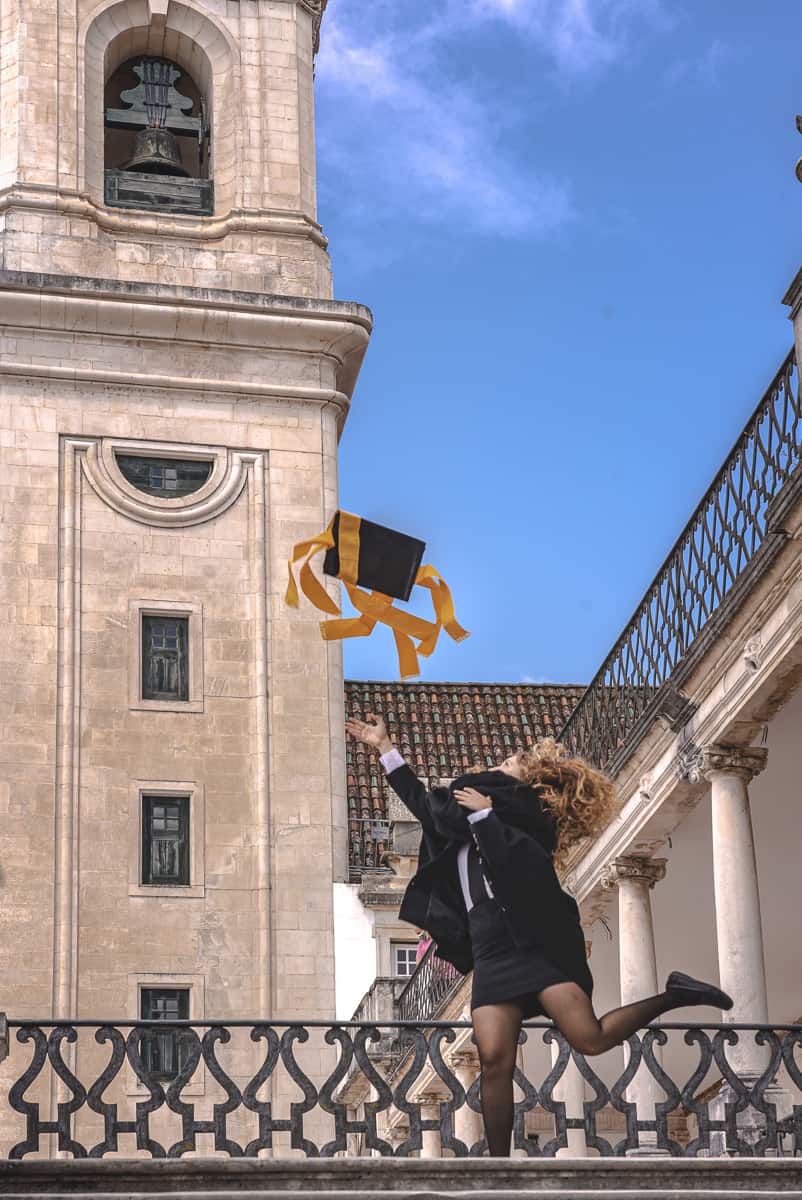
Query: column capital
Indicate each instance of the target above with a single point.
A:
(639, 867)
(745, 761)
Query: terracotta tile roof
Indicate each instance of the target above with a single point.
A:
(441, 729)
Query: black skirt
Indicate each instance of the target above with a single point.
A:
(504, 972)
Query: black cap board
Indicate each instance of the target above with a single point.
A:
(388, 560)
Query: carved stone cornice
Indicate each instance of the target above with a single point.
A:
(643, 869)
(689, 762)
(744, 761)
(71, 203)
(317, 9)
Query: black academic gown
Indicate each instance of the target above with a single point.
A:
(520, 869)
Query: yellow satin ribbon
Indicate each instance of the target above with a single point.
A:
(374, 607)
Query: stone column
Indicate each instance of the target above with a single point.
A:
(468, 1125)
(739, 932)
(570, 1089)
(635, 876)
(430, 1111)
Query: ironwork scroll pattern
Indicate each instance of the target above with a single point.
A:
(702, 578)
(740, 1117)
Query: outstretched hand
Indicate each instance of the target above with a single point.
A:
(372, 732)
(471, 799)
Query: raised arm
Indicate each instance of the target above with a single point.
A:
(400, 776)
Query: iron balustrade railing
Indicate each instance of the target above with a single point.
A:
(430, 985)
(83, 1089)
(733, 534)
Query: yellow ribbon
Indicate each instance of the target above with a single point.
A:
(374, 607)
(314, 591)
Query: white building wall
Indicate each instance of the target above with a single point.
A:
(354, 949)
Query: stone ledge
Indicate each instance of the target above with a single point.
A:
(358, 1177)
(121, 289)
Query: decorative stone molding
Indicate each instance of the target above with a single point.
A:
(286, 223)
(173, 315)
(689, 763)
(746, 761)
(648, 870)
(317, 9)
(226, 481)
(753, 653)
(675, 708)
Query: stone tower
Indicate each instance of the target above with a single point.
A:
(175, 376)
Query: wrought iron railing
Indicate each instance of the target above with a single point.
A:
(82, 1088)
(430, 986)
(734, 533)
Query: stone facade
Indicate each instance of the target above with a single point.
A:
(190, 338)
(254, 66)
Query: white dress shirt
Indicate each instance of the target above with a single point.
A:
(394, 759)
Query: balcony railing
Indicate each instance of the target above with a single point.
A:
(430, 986)
(82, 1088)
(731, 537)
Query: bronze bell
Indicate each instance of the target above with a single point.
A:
(155, 153)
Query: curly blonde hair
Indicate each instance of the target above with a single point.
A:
(581, 798)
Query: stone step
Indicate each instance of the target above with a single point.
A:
(567, 1194)
(421, 1179)
(608, 1193)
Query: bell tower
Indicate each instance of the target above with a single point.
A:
(175, 378)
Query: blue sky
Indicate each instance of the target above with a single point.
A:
(574, 221)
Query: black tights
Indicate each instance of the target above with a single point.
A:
(497, 1026)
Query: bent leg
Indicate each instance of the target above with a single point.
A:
(572, 1012)
(496, 1027)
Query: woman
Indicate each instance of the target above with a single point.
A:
(487, 891)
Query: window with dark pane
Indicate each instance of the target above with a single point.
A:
(165, 658)
(164, 1054)
(167, 477)
(165, 840)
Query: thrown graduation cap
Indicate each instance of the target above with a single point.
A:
(368, 556)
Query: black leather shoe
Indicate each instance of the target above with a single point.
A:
(683, 989)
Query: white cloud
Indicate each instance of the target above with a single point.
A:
(402, 134)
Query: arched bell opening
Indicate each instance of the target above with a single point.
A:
(157, 138)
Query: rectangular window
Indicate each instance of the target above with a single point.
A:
(404, 959)
(165, 658)
(163, 1054)
(165, 840)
